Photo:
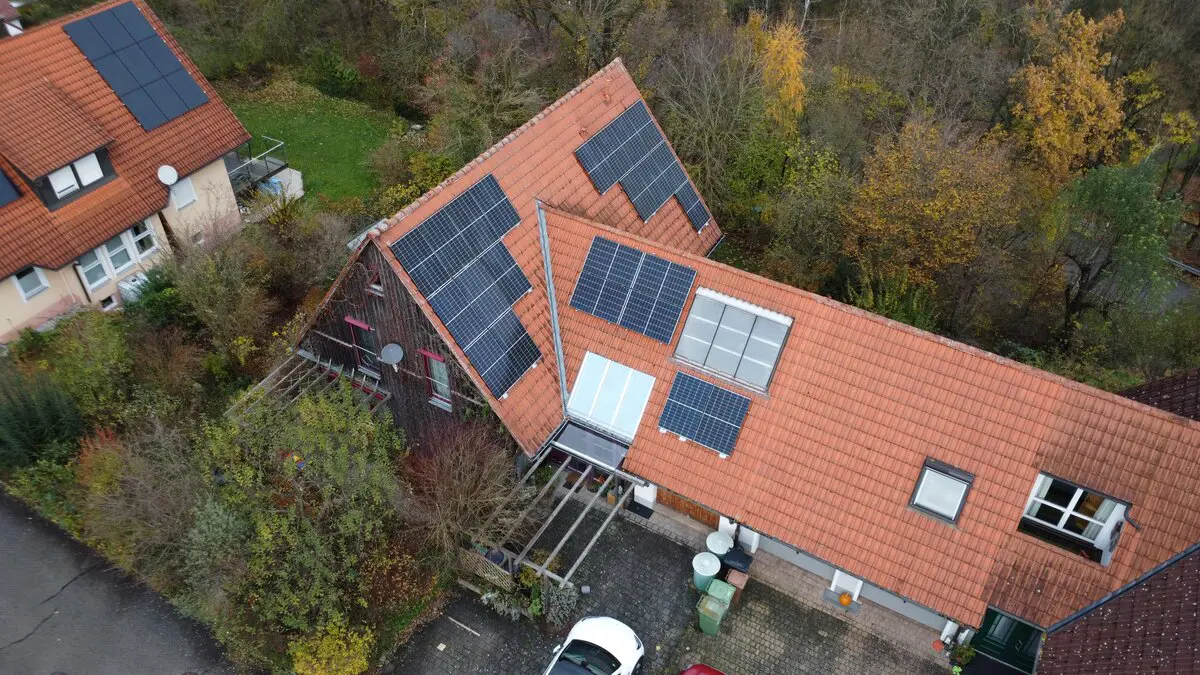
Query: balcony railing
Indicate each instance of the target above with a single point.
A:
(247, 168)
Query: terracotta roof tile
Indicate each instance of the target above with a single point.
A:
(57, 109)
(1179, 394)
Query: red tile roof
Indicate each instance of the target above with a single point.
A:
(828, 458)
(58, 108)
(1179, 394)
(1150, 626)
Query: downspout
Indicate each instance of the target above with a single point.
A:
(544, 237)
(83, 283)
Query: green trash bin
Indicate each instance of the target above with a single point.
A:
(721, 591)
(710, 611)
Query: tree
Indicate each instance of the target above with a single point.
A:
(926, 204)
(1112, 234)
(1066, 113)
(781, 51)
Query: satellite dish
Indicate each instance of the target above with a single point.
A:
(167, 175)
(392, 355)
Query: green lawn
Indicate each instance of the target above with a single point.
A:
(329, 140)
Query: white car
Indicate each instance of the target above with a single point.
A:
(598, 645)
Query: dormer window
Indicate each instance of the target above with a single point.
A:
(62, 185)
(1073, 517)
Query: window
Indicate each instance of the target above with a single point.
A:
(366, 352)
(63, 182)
(733, 337)
(93, 269)
(437, 376)
(31, 281)
(109, 303)
(183, 193)
(374, 284)
(118, 253)
(143, 239)
(610, 395)
(198, 237)
(941, 490)
(1073, 510)
(88, 170)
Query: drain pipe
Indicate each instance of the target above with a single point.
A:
(558, 348)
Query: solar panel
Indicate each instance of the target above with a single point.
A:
(632, 151)
(704, 413)
(8, 191)
(137, 64)
(625, 286)
(458, 261)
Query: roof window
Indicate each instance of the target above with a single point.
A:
(1072, 517)
(610, 396)
(65, 184)
(941, 490)
(733, 338)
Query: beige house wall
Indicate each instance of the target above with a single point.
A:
(214, 211)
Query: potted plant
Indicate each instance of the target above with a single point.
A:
(960, 656)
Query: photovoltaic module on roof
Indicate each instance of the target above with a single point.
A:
(631, 151)
(137, 64)
(8, 191)
(625, 286)
(459, 263)
(704, 413)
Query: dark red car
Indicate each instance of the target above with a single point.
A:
(701, 669)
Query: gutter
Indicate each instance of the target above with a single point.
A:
(713, 250)
(544, 238)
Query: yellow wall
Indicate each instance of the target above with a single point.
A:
(215, 210)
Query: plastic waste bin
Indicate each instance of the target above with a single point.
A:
(718, 544)
(721, 591)
(705, 566)
(710, 611)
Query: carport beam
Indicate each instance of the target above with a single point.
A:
(579, 519)
(587, 473)
(525, 512)
(595, 537)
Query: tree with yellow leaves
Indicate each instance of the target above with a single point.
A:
(926, 204)
(1066, 113)
(780, 51)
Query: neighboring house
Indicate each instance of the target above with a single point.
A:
(1179, 394)
(561, 279)
(1148, 626)
(11, 18)
(83, 202)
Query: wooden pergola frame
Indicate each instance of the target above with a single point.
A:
(305, 373)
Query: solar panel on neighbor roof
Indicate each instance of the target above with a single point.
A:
(137, 65)
(8, 191)
(631, 151)
(459, 263)
(704, 413)
(625, 286)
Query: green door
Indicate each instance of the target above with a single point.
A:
(1009, 640)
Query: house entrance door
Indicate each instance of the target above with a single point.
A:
(1008, 640)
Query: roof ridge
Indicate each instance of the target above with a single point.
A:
(961, 347)
(466, 168)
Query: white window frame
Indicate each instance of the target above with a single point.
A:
(43, 283)
(844, 583)
(102, 262)
(125, 246)
(135, 238)
(88, 170)
(584, 410)
(60, 176)
(183, 193)
(1106, 526)
(757, 312)
(435, 399)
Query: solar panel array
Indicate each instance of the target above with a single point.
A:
(137, 64)
(631, 151)
(641, 292)
(704, 413)
(8, 191)
(459, 263)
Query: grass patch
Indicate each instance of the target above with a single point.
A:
(328, 139)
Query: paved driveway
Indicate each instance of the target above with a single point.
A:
(641, 578)
(64, 612)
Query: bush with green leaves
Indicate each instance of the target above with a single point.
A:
(160, 304)
(37, 419)
(89, 358)
(50, 489)
(327, 70)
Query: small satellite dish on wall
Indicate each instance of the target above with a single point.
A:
(392, 355)
(167, 175)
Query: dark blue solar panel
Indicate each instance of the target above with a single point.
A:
(704, 413)
(459, 263)
(8, 191)
(625, 286)
(137, 64)
(631, 151)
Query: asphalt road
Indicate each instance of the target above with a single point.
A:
(64, 611)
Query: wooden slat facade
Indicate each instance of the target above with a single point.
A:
(394, 317)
